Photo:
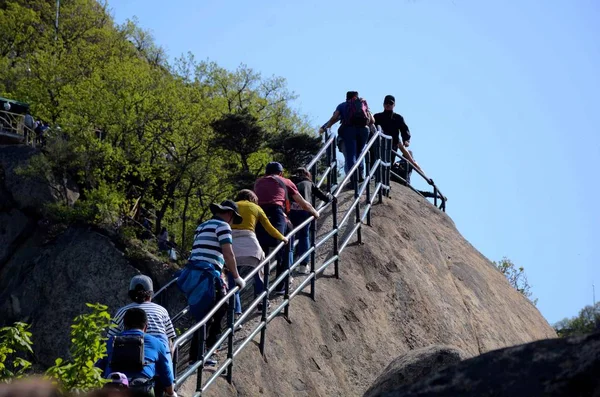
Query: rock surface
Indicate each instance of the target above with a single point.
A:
(413, 366)
(415, 282)
(549, 368)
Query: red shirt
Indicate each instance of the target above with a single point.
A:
(269, 191)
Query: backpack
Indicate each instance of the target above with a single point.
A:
(403, 169)
(127, 353)
(358, 112)
(287, 205)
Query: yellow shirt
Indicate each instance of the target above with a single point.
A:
(251, 213)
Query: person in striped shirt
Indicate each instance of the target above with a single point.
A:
(159, 322)
(212, 250)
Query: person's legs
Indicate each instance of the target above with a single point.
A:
(279, 221)
(297, 217)
(214, 326)
(348, 135)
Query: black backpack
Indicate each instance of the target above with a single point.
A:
(127, 353)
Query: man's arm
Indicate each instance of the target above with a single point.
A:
(230, 261)
(334, 119)
(164, 369)
(305, 205)
(408, 156)
(403, 129)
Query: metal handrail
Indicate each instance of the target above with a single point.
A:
(436, 191)
(15, 124)
(380, 171)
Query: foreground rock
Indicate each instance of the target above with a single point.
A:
(549, 368)
(413, 366)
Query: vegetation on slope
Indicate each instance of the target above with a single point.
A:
(133, 129)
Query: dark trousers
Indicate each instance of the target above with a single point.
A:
(279, 221)
(213, 326)
(303, 235)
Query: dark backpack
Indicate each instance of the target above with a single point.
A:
(358, 112)
(127, 353)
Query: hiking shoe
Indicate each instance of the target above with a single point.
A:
(303, 269)
(210, 362)
(259, 307)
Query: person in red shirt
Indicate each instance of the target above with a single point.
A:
(274, 194)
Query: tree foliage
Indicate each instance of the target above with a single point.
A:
(516, 277)
(88, 345)
(15, 342)
(172, 136)
(588, 320)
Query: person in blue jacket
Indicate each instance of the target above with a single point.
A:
(156, 358)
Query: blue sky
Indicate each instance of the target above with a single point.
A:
(502, 98)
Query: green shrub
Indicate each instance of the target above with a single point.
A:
(14, 341)
(88, 345)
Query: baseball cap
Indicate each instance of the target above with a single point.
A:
(273, 168)
(144, 281)
(118, 378)
(389, 99)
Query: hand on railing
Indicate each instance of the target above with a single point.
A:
(240, 282)
(285, 240)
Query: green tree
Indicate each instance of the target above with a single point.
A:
(136, 131)
(585, 322)
(15, 342)
(88, 345)
(294, 150)
(516, 277)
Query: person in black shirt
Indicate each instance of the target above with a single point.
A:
(392, 123)
(307, 188)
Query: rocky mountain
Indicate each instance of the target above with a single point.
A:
(415, 282)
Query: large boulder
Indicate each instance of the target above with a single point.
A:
(413, 366)
(548, 368)
(49, 285)
(414, 282)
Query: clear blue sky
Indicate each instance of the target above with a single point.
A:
(501, 98)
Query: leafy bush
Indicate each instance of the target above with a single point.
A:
(516, 277)
(88, 345)
(14, 340)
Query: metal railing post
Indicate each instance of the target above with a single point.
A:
(265, 302)
(336, 265)
(388, 156)
(357, 210)
(368, 181)
(435, 194)
(378, 173)
(328, 158)
(286, 251)
(313, 229)
(230, 320)
(201, 349)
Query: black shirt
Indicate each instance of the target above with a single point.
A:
(393, 124)
(307, 188)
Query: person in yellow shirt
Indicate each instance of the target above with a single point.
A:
(246, 247)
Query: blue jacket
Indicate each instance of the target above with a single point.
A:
(156, 356)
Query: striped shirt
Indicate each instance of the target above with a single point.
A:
(159, 322)
(209, 238)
